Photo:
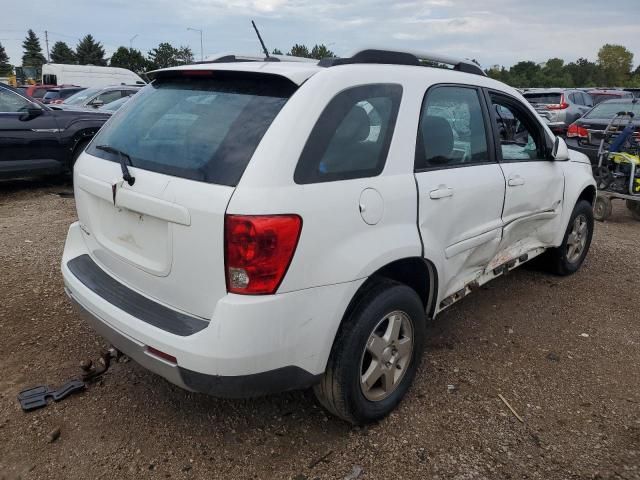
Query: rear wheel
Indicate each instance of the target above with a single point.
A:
(375, 355)
(602, 208)
(568, 257)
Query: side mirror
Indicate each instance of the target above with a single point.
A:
(97, 103)
(560, 151)
(32, 111)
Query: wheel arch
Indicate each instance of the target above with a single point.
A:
(589, 194)
(417, 273)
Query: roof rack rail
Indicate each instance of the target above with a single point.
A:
(408, 57)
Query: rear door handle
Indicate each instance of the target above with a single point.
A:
(441, 192)
(516, 181)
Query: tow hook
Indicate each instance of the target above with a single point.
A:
(36, 397)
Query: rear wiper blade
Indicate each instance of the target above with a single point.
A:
(124, 158)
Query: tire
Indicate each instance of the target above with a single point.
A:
(602, 208)
(564, 260)
(82, 144)
(341, 390)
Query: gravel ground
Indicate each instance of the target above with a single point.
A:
(564, 352)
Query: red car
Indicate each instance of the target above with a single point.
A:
(601, 94)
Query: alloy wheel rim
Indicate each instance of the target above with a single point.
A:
(577, 240)
(387, 356)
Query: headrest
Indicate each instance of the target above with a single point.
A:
(355, 127)
(438, 139)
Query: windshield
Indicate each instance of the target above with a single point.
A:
(543, 98)
(196, 128)
(609, 109)
(601, 97)
(80, 97)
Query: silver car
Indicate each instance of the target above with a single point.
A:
(98, 96)
(559, 107)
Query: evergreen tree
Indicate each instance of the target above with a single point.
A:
(277, 51)
(32, 51)
(299, 51)
(62, 53)
(131, 59)
(90, 52)
(6, 68)
(321, 51)
(166, 55)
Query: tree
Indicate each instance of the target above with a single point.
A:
(131, 59)
(277, 51)
(584, 73)
(6, 68)
(616, 63)
(321, 51)
(184, 56)
(90, 52)
(524, 74)
(32, 51)
(61, 53)
(553, 74)
(166, 55)
(299, 51)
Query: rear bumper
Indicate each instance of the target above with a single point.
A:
(590, 152)
(252, 345)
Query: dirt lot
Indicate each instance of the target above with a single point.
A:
(565, 352)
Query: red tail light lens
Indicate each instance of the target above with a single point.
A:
(258, 251)
(577, 131)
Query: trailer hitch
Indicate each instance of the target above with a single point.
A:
(36, 397)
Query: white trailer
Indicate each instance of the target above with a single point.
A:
(88, 75)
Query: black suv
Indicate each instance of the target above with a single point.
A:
(36, 140)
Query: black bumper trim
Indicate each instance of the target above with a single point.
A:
(247, 386)
(136, 305)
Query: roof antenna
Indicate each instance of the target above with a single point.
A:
(264, 47)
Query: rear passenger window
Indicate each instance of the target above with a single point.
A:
(452, 129)
(352, 136)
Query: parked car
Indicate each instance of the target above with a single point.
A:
(634, 91)
(559, 106)
(115, 105)
(59, 94)
(35, 91)
(97, 97)
(586, 133)
(36, 140)
(601, 94)
(247, 228)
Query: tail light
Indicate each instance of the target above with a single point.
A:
(560, 106)
(576, 130)
(258, 251)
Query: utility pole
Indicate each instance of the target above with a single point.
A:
(201, 49)
(46, 41)
(131, 41)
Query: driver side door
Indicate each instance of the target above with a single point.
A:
(534, 184)
(26, 141)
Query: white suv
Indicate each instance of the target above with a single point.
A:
(254, 227)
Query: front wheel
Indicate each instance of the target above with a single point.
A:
(375, 355)
(568, 257)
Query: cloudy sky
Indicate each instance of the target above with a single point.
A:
(492, 31)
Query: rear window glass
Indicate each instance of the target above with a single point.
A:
(203, 129)
(352, 136)
(543, 98)
(610, 109)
